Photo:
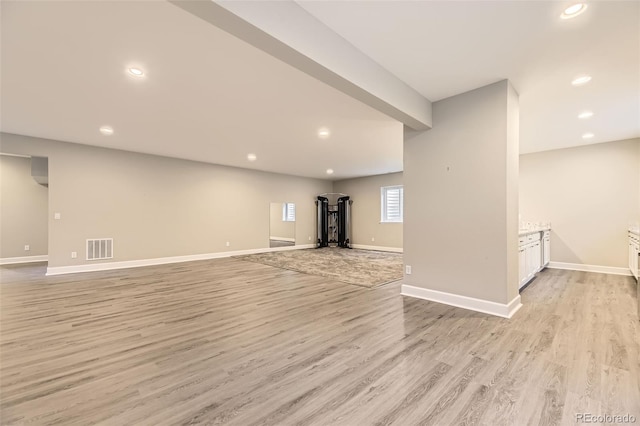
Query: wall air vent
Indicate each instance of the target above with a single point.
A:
(100, 249)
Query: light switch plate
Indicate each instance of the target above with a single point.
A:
(26, 247)
(407, 269)
(56, 216)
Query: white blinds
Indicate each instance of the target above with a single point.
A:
(288, 212)
(392, 203)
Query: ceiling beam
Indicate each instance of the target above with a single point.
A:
(286, 31)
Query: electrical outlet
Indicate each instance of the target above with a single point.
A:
(56, 216)
(407, 269)
(228, 243)
(26, 247)
(309, 237)
(372, 239)
(74, 254)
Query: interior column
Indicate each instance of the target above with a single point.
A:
(461, 203)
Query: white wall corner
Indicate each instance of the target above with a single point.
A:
(590, 268)
(108, 266)
(479, 305)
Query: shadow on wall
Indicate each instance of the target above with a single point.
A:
(560, 251)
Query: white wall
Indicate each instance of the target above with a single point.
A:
(365, 210)
(159, 207)
(461, 196)
(23, 210)
(590, 194)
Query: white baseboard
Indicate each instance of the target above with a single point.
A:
(377, 248)
(93, 267)
(25, 259)
(590, 268)
(473, 304)
(293, 240)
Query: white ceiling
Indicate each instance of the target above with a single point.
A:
(208, 96)
(443, 48)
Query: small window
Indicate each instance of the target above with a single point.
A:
(288, 212)
(392, 200)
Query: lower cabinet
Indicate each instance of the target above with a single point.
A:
(634, 249)
(533, 255)
(546, 248)
(522, 257)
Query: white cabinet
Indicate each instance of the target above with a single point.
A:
(522, 257)
(536, 260)
(634, 249)
(546, 248)
(531, 255)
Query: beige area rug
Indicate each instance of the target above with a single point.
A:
(365, 268)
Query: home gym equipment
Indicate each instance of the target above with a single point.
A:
(333, 220)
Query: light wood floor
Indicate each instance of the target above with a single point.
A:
(234, 342)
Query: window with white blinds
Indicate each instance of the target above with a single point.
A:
(392, 200)
(288, 212)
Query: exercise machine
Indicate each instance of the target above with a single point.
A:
(333, 220)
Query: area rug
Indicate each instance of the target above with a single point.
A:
(365, 268)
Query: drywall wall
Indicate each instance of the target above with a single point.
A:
(157, 207)
(365, 210)
(278, 228)
(590, 194)
(459, 236)
(512, 151)
(23, 210)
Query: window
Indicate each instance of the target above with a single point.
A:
(288, 212)
(392, 200)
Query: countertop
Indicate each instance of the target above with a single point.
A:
(523, 232)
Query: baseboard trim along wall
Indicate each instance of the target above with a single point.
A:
(94, 267)
(478, 305)
(377, 248)
(25, 259)
(589, 268)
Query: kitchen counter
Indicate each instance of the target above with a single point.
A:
(534, 252)
(524, 232)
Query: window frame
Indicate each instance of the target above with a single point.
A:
(384, 208)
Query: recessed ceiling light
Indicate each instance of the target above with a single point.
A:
(583, 79)
(324, 133)
(573, 11)
(137, 72)
(329, 171)
(587, 136)
(252, 157)
(106, 130)
(585, 114)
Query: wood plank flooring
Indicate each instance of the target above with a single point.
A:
(240, 343)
